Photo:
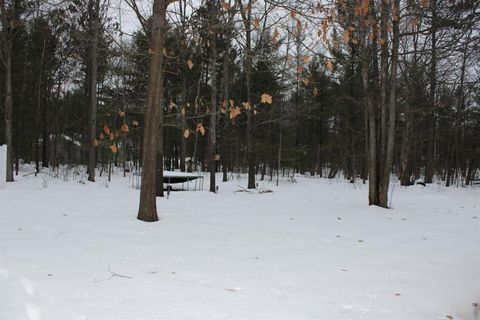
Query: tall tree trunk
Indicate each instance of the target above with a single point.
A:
(38, 117)
(92, 115)
(147, 210)
(213, 100)
(372, 114)
(183, 146)
(247, 21)
(183, 143)
(160, 142)
(384, 85)
(226, 148)
(7, 53)
(388, 164)
(405, 153)
(430, 121)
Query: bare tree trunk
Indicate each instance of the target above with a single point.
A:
(247, 21)
(382, 143)
(459, 111)
(388, 164)
(226, 148)
(8, 109)
(213, 101)
(92, 115)
(147, 210)
(430, 121)
(470, 174)
(39, 110)
(183, 143)
(160, 147)
(183, 146)
(372, 123)
(405, 154)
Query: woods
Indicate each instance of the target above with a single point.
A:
(372, 91)
(239, 159)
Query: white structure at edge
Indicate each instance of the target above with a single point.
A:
(3, 166)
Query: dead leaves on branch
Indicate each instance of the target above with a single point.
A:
(227, 6)
(201, 129)
(124, 128)
(235, 112)
(247, 105)
(223, 107)
(330, 65)
(111, 135)
(266, 98)
(227, 107)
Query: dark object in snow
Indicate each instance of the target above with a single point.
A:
(265, 191)
(292, 179)
(181, 179)
(422, 183)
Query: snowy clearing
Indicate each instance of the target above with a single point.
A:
(309, 250)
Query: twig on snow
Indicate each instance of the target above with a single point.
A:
(114, 274)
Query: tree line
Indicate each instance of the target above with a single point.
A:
(362, 89)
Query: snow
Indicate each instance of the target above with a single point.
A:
(309, 250)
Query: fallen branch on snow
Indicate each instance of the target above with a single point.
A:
(114, 274)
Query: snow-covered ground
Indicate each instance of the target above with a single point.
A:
(309, 250)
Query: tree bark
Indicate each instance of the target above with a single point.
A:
(372, 114)
(430, 121)
(38, 116)
(213, 100)
(388, 163)
(8, 109)
(247, 21)
(183, 146)
(92, 115)
(147, 210)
